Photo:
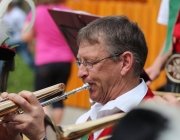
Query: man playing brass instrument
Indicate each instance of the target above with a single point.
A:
(112, 53)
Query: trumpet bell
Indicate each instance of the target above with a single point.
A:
(52, 132)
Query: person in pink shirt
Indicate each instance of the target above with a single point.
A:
(53, 56)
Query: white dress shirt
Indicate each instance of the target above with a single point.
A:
(123, 103)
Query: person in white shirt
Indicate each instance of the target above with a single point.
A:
(14, 18)
(111, 56)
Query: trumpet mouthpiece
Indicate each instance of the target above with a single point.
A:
(86, 86)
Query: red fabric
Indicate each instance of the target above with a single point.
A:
(177, 31)
(148, 95)
(178, 19)
(176, 46)
(91, 137)
(108, 130)
(176, 34)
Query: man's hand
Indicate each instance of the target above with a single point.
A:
(11, 133)
(31, 121)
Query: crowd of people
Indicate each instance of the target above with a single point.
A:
(112, 52)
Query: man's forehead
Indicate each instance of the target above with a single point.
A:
(87, 49)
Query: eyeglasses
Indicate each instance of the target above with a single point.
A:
(89, 65)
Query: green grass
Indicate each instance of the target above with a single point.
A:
(20, 79)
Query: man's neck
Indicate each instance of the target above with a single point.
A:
(122, 87)
(127, 85)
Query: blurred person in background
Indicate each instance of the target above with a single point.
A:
(167, 14)
(53, 56)
(15, 18)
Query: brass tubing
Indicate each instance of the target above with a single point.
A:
(65, 95)
(76, 131)
(161, 93)
(8, 106)
(72, 132)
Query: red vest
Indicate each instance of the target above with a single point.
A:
(108, 131)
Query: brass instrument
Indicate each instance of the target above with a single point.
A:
(159, 93)
(73, 132)
(7, 106)
(65, 95)
(70, 132)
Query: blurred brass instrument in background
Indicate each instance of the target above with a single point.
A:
(161, 93)
(73, 132)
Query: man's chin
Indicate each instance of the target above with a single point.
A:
(93, 96)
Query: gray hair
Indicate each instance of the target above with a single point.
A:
(119, 35)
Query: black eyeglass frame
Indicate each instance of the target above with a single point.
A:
(89, 65)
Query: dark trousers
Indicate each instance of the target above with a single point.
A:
(51, 74)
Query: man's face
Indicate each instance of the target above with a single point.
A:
(102, 76)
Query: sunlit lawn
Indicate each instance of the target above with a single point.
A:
(22, 78)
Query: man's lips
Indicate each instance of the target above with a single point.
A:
(91, 83)
(91, 86)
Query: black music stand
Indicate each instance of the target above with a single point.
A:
(69, 23)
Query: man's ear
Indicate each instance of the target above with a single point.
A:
(127, 59)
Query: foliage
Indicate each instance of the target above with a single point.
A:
(20, 79)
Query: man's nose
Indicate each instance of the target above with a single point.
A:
(82, 71)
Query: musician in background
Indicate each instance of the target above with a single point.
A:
(169, 15)
(111, 56)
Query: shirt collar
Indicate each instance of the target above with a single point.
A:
(123, 103)
(131, 98)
